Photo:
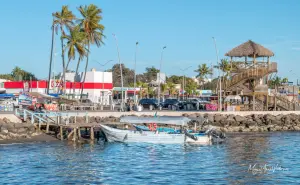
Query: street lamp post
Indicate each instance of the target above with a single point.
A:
(183, 80)
(102, 90)
(121, 71)
(136, 47)
(220, 80)
(159, 74)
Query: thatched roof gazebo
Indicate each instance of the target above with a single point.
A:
(250, 49)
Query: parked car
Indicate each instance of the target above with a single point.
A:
(172, 102)
(194, 102)
(148, 102)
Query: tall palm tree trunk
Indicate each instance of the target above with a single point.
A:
(63, 61)
(51, 55)
(85, 70)
(76, 75)
(69, 61)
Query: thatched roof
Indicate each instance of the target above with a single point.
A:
(250, 49)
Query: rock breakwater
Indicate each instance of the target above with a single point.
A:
(223, 122)
(9, 130)
(250, 123)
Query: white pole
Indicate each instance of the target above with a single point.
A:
(122, 104)
(136, 46)
(183, 83)
(102, 98)
(220, 80)
(159, 74)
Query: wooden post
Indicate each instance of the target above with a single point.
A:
(275, 103)
(61, 133)
(86, 118)
(70, 134)
(79, 133)
(47, 128)
(75, 119)
(253, 101)
(68, 119)
(267, 102)
(92, 133)
(74, 134)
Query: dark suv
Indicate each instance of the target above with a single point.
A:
(171, 102)
(147, 102)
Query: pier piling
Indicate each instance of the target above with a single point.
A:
(61, 133)
(92, 133)
(47, 128)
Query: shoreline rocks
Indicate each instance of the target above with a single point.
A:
(224, 122)
(10, 130)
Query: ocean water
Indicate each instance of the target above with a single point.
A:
(267, 158)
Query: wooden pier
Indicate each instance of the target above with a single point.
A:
(74, 132)
(58, 124)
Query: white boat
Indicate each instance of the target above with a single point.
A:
(128, 136)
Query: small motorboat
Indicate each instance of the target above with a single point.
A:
(156, 134)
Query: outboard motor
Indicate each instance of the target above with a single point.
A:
(216, 134)
(190, 135)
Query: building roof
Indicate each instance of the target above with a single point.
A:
(250, 49)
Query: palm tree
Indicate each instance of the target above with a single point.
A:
(63, 19)
(225, 67)
(191, 86)
(94, 30)
(275, 82)
(171, 88)
(143, 89)
(75, 44)
(203, 70)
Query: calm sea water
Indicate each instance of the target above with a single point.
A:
(271, 158)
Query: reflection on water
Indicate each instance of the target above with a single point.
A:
(103, 163)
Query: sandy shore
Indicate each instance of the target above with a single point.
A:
(39, 138)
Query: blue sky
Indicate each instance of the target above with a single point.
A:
(185, 27)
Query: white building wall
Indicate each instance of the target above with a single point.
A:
(92, 76)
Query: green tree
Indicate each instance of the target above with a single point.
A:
(203, 70)
(175, 79)
(144, 89)
(6, 77)
(63, 19)
(275, 82)
(171, 88)
(75, 44)
(90, 23)
(285, 80)
(191, 86)
(151, 73)
(128, 75)
(20, 74)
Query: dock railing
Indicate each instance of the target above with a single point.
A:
(47, 116)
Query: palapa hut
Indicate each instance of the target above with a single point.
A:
(249, 77)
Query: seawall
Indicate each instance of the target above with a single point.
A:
(175, 113)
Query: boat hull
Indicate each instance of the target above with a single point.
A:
(129, 136)
(201, 140)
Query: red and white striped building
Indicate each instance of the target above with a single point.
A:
(96, 84)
